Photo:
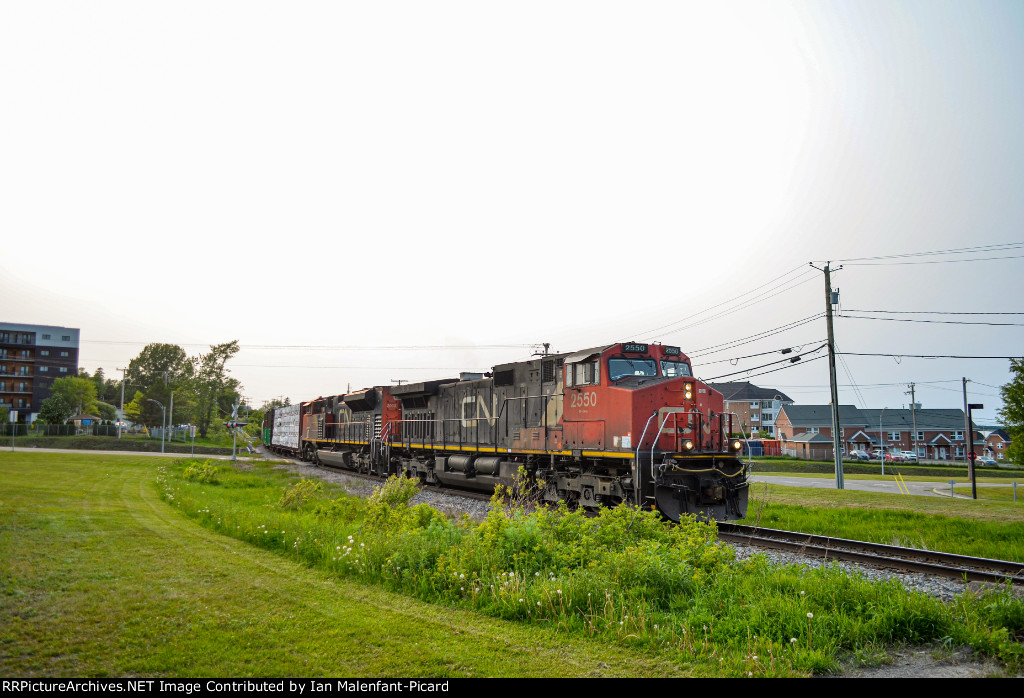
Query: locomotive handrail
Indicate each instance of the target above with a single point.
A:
(639, 443)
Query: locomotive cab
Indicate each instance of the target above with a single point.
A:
(642, 400)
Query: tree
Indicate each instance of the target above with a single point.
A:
(106, 411)
(166, 363)
(55, 409)
(215, 391)
(1012, 414)
(133, 410)
(80, 393)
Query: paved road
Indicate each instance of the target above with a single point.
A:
(935, 488)
(241, 453)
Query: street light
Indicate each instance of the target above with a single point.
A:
(970, 447)
(164, 427)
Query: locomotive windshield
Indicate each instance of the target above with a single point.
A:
(621, 368)
(675, 369)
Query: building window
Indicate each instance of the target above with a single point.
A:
(812, 430)
(43, 369)
(66, 338)
(5, 337)
(63, 369)
(958, 436)
(767, 416)
(44, 352)
(754, 405)
(46, 336)
(64, 355)
(959, 451)
(920, 436)
(894, 436)
(754, 418)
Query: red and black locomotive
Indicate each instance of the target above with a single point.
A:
(621, 423)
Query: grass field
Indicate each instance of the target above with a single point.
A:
(100, 577)
(992, 528)
(136, 566)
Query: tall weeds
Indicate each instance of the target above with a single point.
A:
(623, 575)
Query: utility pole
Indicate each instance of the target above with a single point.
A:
(124, 379)
(832, 298)
(234, 431)
(913, 413)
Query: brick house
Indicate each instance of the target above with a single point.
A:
(939, 436)
(996, 444)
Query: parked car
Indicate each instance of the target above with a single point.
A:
(893, 457)
(877, 455)
(860, 455)
(985, 460)
(909, 457)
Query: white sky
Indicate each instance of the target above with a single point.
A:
(470, 174)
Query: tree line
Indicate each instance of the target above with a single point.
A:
(204, 393)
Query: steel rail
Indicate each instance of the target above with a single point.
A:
(878, 554)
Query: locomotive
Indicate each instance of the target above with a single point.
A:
(625, 422)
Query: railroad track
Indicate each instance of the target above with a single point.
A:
(973, 569)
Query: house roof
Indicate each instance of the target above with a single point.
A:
(868, 418)
(1001, 433)
(927, 420)
(748, 391)
(808, 437)
(862, 435)
(821, 416)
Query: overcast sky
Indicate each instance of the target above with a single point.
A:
(327, 181)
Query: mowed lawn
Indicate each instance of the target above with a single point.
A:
(100, 577)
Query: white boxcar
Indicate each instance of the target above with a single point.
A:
(286, 427)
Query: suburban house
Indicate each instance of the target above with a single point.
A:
(806, 431)
(996, 444)
(756, 408)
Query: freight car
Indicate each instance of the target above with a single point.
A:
(626, 422)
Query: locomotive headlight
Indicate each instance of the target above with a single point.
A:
(688, 445)
(737, 445)
(688, 391)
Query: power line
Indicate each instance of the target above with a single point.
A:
(935, 322)
(746, 304)
(978, 249)
(731, 344)
(929, 356)
(790, 360)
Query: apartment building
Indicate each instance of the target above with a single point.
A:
(31, 358)
(756, 408)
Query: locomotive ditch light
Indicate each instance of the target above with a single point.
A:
(737, 445)
(688, 391)
(688, 445)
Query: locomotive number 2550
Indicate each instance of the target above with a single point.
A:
(584, 400)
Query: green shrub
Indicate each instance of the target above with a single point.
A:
(205, 472)
(296, 496)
